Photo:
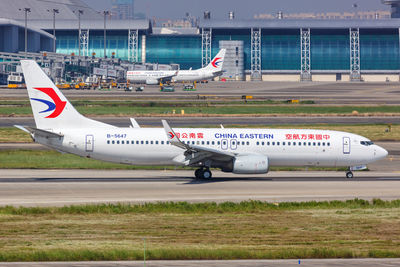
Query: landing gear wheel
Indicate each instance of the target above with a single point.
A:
(349, 175)
(198, 173)
(207, 174)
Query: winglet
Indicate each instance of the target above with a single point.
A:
(172, 138)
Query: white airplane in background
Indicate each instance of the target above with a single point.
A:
(153, 77)
(241, 151)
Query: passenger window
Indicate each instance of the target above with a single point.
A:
(162, 142)
(319, 143)
(305, 143)
(277, 143)
(147, 142)
(268, 143)
(122, 142)
(219, 143)
(113, 142)
(294, 143)
(299, 143)
(202, 142)
(288, 143)
(208, 142)
(262, 143)
(213, 143)
(193, 142)
(309, 143)
(323, 143)
(167, 142)
(273, 143)
(248, 143)
(118, 142)
(328, 144)
(313, 143)
(156, 142)
(258, 143)
(283, 143)
(108, 141)
(142, 142)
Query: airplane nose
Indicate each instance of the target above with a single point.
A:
(381, 152)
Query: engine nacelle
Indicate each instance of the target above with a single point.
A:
(152, 82)
(250, 164)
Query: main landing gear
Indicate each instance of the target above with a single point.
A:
(203, 173)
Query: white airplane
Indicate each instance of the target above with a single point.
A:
(211, 71)
(241, 151)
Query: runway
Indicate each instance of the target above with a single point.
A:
(220, 263)
(67, 187)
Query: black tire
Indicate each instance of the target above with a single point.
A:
(349, 175)
(207, 174)
(198, 174)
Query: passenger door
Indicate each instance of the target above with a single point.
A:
(346, 145)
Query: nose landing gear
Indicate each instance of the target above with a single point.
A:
(203, 173)
(349, 175)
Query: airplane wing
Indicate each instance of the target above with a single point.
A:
(167, 78)
(193, 153)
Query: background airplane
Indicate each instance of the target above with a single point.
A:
(241, 151)
(212, 70)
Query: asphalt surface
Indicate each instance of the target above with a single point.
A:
(67, 187)
(207, 263)
(323, 93)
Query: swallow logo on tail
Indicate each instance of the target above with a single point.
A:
(57, 106)
(215, 63)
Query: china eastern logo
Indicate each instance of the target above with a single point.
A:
(215, 62)
(171, 135)
(57, 106)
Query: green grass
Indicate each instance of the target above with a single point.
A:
(183, 231)
(122, 108)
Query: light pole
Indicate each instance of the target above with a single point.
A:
(106, 13)
(26, 10)
(55, 11)
(80, 12)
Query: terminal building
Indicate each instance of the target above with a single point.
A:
(270, 50)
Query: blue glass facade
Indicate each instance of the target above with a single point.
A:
(280, 50)
(177, 49)
(117, 42)
(330, 49)
(379, 50)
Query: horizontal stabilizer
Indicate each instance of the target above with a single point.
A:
(39, 132)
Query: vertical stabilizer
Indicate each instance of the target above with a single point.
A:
(217, 62)
(50, 108)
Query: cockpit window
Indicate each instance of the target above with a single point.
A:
(367, 143)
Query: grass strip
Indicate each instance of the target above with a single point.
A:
(184, 231)
(376, 132)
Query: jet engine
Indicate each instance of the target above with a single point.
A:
(250, 164)
(152, 82)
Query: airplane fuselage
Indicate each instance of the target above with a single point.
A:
(282, 147)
